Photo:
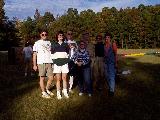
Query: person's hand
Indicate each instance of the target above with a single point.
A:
(35, 67)
(79, 63)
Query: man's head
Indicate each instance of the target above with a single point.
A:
(43, 34)
(99, 38)
(69, 35)
(107, 37)
(60, 36)
(82, 45)
(85, 37)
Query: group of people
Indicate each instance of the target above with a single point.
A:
(67, 60)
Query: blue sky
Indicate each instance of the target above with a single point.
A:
(23, 8)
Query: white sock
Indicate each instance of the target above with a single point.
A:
(65, 92)
(70, 82)
(58, 93)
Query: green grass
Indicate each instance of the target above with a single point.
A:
(137, 97)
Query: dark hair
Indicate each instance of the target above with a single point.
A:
(108, 34)
(69, 31)
(60, 32)
(27, 44)
(42, 30)
(99, 36)
(82, 41)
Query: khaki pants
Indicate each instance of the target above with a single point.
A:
(99, 71)
(92, 68)
(45, 69)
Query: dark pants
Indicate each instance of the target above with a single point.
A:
(84, 79)
(110, 73)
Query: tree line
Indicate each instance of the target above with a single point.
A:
(131, 27)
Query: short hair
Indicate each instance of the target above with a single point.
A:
(60, 32)
(27, 44)
(69, 31)
(82, 41)
(108, 34)
(99, 36)
(42, 30)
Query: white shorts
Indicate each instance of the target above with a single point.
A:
(60, 69)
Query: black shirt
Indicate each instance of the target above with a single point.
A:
(99, 49)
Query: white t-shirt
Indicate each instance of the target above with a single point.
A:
(43, 49)
(72, 42)
(27, 52)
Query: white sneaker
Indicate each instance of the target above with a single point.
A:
(65, 93)
(80, 94)
(59, 95)
(49, 92)
(45, 95)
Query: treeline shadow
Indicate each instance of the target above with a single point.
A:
(137, 97)
(13, 85)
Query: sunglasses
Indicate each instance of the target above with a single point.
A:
(60, 35)
(69, 34)
(44, 34)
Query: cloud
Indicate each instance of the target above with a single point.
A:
(24, 8)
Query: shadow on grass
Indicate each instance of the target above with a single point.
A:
(137, 98)
(13, 86)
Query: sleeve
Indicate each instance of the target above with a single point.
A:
(74, 57)
(86, 59)
(23, 50)
(76, 45)
(114, 48)
(115, 51)
(35, 47)
(52, 47)
(31, 50)
(67, 48)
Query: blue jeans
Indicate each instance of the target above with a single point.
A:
(84, 79)
(110, 72)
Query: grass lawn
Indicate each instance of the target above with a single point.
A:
(137, 96)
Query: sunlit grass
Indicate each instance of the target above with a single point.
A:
(137, 97)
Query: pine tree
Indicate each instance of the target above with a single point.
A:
(1, 11)
(37, 15)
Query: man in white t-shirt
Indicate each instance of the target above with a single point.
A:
(42, 62)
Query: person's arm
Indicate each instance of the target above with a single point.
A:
(35, 57)
(23, 53)
(74, 57)
(86, 59)
(67, 48)
(35, 61)
(115, 52)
